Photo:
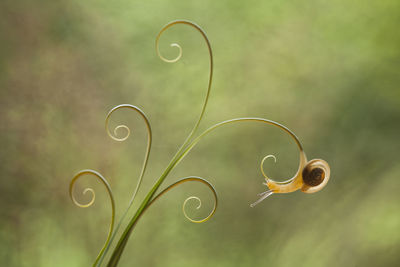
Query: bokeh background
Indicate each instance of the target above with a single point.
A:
(329, 70)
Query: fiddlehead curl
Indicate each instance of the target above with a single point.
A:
(110, 194)
(116, 129)
(192, 179)
(170, 60)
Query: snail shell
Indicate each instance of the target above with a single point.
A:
(315, 175)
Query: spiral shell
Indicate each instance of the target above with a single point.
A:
(315, 175)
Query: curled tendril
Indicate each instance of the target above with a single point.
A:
(271, 184)
(110, 194)
(119, 127)
(170, 60)
(262, 120)
(262, 164)
(149, 138)
(189, 179)
(184, 205)
(125, 236)
(200, 30)
(90, 202)
(145, 161)
(116, 129)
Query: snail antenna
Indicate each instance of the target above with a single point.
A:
(263, 195)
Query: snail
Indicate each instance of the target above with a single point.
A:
(310, 177)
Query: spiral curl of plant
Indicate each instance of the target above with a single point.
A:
(299, 181)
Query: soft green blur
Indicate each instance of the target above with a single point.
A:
(329, 70)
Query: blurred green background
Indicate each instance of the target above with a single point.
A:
(329, 70)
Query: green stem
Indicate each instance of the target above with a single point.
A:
(122, 242)
(182, 152)
(144, 166)
(109, 191)
(125, 236)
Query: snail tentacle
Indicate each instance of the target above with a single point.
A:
(263, 195)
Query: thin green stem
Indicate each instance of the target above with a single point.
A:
(144, 166)
(125, 235)
(190, 179)
(206, 132)
(149, 140)
(121, 244)
(201, 31)
(107, 185)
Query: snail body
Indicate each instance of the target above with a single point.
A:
(310, 177)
